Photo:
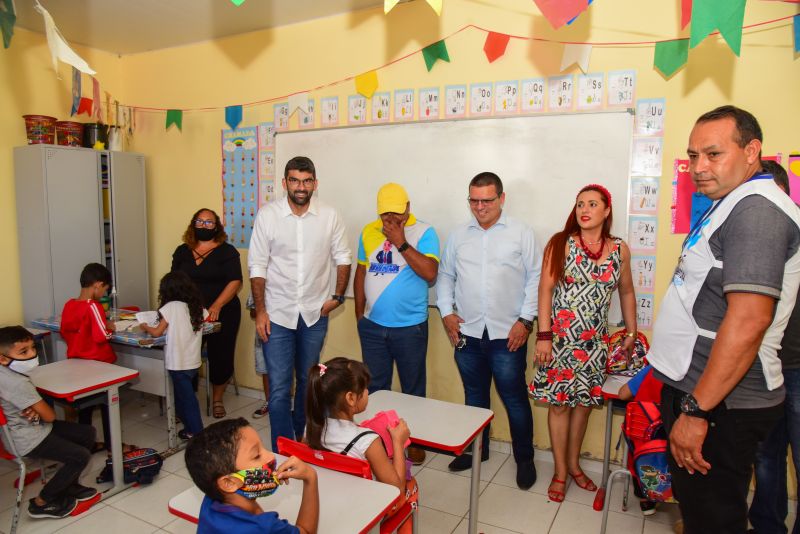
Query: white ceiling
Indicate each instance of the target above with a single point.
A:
(131, 26)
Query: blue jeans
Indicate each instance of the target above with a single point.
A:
(186, 405)
(478, 362)
(382, 346)
(289, 354)
(769, 508)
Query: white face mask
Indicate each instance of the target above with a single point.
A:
(24, 367)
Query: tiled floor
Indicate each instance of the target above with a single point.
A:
(444, 496)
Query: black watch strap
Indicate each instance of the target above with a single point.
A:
(338, 298)
(526, 323)
(402, 248)
(690, 407)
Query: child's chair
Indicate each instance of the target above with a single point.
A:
(14, 457)
(352, 466)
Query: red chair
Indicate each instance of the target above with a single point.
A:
(352, 466)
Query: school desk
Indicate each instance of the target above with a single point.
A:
(75, 379)
(439, 425)
(347, 503)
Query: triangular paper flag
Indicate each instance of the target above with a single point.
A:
(797, 33)
(670, 56)
(237, 3)
(725, 15)
(573, 19)
(495, 45)
(558, 12)
(85, 106)
(576, 53)
(233, 116)
(367, 83)
(686, 12)
(76, 91)
(298, 101)
(174, 116)
(388, 5)
(97, 104)
(7, 20)
(59, 49)
(431, 53)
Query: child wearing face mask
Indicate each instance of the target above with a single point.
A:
(228, 462)
(35, 432)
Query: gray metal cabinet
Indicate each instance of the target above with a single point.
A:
(76, 206)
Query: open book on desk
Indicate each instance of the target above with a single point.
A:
(132, 324)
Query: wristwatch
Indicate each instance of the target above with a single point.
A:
(338, 298)
(690, 407)
(526, 323)
(402, 248)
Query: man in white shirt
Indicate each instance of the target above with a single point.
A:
(487, 296)
(294, 242)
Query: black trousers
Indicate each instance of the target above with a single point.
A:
(68, 443)
(717, 502)
(85, 418)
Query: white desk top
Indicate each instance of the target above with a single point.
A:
(71, 378)
(613, 384)
(433, 423)
(347, 503)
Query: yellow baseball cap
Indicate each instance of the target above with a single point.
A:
(392, 198)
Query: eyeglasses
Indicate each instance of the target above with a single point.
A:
(308, 182)
(478, 201)
(210, 223)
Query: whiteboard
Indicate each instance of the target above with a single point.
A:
(543, 161)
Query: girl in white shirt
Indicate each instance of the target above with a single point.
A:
(181, 315)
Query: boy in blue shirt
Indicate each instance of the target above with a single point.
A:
(228, 462)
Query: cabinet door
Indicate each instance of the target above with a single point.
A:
(129, 224)
(76, 218)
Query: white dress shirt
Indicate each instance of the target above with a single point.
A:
(490, 278)
(294, 254)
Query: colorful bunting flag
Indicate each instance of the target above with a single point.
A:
(576, 54)
(233, 116)
(298, 101)
(367, 83)
(670, 56)
(59, 49)
(388, 5)
(431, 53)
(495, 45)
(237, 3)
(7, 20)
(686, 12)
(76, 91)
(573, 19)
(174, 116)
(97, 104)
(85, 106)
(725, 15)
(797, 33)
(558, 12)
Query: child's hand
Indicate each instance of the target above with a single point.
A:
(400, 433)
(296, 468)
(111, 326)
(30, 414)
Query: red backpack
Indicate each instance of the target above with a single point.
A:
(644, 434)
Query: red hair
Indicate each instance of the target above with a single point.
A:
(555, 250)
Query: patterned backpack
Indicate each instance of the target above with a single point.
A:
(644, 434)
(617, 362)
(139, 466)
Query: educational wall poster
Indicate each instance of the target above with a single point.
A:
(650, 116)
(644, 195)
(266, 176)
(281, 116)
(793, 170)
(533, 95)
(480, 99)
(590, 91)
(621, 88)
(239, 183)
(429, 104)
(266, 135)
(642, 233)
(644, 311)
(381, 104)
(404, 105)
(643, 269)
(356, 109)
(455, 101)
(306, 120)
(329, 111)
(506, 97)
(646, 156)
(561, 88)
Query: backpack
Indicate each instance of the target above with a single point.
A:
(644, 434)
(138, 466)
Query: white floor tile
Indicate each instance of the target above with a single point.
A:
(652, 527)
(181, 526)
(579, 495)
(516, 510)
(483, 528)
(507, 475)
(666, 513)
(105, 520)
(489, 468)
(174, 462)
(573, 517)
(445, 492)
(434, 521)
(149, 503)
(143, 435)
(28, 525)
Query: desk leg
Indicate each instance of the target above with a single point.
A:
(475, 483)
(172, 430)
(114, 422)
(601, 491)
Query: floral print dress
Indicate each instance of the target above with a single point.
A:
(575, 375)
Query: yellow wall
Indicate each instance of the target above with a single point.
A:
(183, 168)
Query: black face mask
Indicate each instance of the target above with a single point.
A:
(205, 234)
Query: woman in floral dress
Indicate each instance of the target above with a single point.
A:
(583, 265)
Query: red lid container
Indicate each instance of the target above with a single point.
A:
(40, 129)
(69, 133)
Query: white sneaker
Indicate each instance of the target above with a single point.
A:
(262, 411)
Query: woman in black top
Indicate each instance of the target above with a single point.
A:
(213, 264)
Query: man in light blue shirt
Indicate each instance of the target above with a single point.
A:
(487, 294)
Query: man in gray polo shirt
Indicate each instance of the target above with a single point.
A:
(721, 321)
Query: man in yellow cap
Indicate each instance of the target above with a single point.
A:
(398, 260)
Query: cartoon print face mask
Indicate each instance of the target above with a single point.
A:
(258, 481)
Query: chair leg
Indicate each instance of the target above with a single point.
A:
(20, 490)
(208, 389)
(235, 385)
(607, 504)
